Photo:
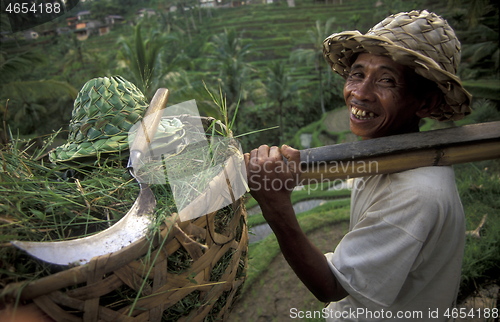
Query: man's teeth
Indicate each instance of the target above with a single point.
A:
(362, 115)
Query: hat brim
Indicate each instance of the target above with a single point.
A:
(71, 151)
(340, 49)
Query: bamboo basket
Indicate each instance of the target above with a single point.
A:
(213, 249)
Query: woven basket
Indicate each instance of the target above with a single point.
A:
(135, 283)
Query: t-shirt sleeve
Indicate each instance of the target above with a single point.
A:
(373, 260)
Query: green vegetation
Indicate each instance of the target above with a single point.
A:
(230, 48)
(484, 88)
(479, 187)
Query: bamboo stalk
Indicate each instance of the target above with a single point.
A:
(397, 153)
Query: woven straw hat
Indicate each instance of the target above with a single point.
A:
(104, 111)
(421, 40)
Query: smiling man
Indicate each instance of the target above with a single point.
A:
(401, 259)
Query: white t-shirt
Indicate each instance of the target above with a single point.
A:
(402, 256)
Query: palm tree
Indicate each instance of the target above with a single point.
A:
(143, 58)
(227, 55)
(314, 54)
(185, 8)
(279, 89)
(475, 9)
(188, 88)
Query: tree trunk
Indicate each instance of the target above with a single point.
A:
(280, 116)
(321, 96)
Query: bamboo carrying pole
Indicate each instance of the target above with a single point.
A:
(396, 153)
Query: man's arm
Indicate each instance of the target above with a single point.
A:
(271, 181)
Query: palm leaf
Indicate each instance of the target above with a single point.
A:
(32, 91)
(12, 66)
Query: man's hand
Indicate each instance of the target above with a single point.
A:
(271, 179)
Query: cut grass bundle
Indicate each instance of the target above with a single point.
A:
(190, 270)
(38, 197)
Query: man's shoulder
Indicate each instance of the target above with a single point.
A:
(433, 178)
(424, 178)
(418, 186)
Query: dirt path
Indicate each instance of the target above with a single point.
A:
(279, 289)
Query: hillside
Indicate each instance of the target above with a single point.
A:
(272, 32)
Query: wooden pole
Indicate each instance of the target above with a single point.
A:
(470, 143)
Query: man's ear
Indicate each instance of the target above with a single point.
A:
(430, 104)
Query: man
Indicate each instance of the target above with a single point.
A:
(401, 258)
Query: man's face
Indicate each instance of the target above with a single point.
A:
(379, 98)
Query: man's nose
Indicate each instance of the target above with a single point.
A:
(364, 90)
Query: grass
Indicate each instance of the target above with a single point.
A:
(41, 203)
(33, 193)
(479, 188)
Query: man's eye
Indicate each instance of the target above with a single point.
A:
(388, 80)
(356, 75)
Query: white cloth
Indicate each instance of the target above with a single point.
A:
(404, 250)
